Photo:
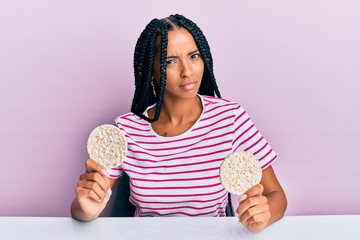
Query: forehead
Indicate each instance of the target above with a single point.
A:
(180, 39)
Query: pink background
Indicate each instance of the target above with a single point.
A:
(66, 67)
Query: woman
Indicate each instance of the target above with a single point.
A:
(178, 134)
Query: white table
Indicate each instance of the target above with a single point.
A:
(195, 228)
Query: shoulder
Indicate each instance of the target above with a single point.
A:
(130, 120)
(213, 105)
(125, 117)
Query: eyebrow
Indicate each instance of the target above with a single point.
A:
(188, 54)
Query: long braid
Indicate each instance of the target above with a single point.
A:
(140, 51)
(144, 56)
(163, 56)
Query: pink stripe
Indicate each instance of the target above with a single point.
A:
(268, 163)
(182, 157)
(116, 168)
(214, 108)
(227, 110)
(169, 173)
(132, 198)
(137, 123)
(185, 139)
(134, 128)
(242, 114)
(189, 207)
(249, 138)
(140, 135)
(173, 213)
(216, 98)
(242, 124)
(212, 124)
(260, 149)
(174, 179)
(178, 147)
(115, 176)
(128, 135)
(209, 103)
(177, 153)
(248, 148)
(213, 145)
(167, 188)
(176, 195)
(174, 166)
(131, 114)
(242, 134)
(207, 100)
(265, 155)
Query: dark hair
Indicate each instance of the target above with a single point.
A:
(145, 93)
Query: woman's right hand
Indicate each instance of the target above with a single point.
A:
(93, 192)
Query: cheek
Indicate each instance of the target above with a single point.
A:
(200, 68)
(171, 74)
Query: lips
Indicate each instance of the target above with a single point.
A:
(188, 85)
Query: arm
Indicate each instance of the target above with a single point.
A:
(93, 192)
(263, 204)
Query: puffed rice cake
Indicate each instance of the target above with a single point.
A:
(107, 145)
(239, 172)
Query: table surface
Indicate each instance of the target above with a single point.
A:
(290, 227)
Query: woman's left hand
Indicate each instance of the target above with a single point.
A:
(253, 211)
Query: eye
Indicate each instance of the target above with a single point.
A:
(170, 61)
(195, 55)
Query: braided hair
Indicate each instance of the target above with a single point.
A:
(146, 93)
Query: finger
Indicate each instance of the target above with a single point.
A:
(101, 180)
(254, 214)
(259, 218)
(242, 198)
(83, 193)
(93, 166)
(249, 203)
(94, 186)
(255, 190)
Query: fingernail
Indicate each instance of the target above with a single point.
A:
(104, 172)
(109, 192)
(106, 199)
(242, 197)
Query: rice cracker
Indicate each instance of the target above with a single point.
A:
(107, 146)
(239, 172)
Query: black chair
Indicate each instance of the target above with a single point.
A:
(123, 208)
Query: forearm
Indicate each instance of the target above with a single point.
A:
(79, 214)
(277, 203)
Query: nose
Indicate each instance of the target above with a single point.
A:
(186, 70)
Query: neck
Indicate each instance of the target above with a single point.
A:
(178, 111)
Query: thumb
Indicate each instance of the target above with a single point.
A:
(93, 166)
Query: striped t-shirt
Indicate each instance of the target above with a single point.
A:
(179, 175)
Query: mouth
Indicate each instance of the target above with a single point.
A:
(188, 85)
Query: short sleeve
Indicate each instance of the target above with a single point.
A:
(116, 172)
(247, 137)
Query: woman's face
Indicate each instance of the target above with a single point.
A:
(185, 66)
